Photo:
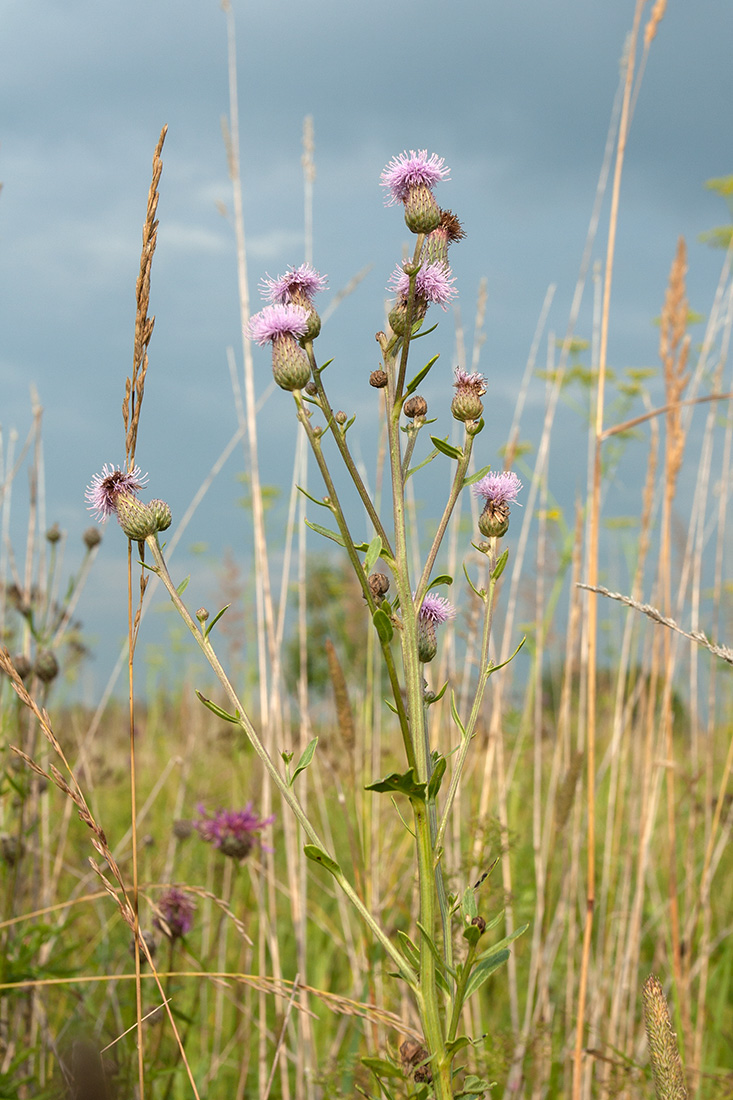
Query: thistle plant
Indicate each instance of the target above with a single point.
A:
(440, 958)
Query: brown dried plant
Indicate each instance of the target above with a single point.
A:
(135, 386)
(674, 349)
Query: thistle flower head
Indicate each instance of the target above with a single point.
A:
(470, 388)
(449, 230)
(433, 283)
(410, 180)
(406, 172)
(498, 488)
(498, 491)
(234, 832)
(436, 609)
(105, 488)
(276, 321)
(175, 912)
(298, 286)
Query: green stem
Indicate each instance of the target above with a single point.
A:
(460, 993)
(408, 321)
(455, 492)
(287, 793)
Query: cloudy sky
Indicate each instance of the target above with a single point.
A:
(516, 97)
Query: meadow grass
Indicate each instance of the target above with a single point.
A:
(591, 826)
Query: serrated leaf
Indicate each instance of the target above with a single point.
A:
(446, 448)
(305, 760)
(383, 626)
(312, 851)
(475, 477)
(325, 532)
(217, 710)
(412, 386)
(483, 971)
(397, 783)
(215, 620)
(373, 554)
(437, 777)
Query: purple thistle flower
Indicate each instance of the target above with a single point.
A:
(276, 321)
(436, 609)
(298, 286)
(105, 488)
(232, 831)
(175, 912)
(498, 488)
(404, 173)
(434, 283)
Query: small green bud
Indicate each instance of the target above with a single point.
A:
(162, 514)
(135, 518)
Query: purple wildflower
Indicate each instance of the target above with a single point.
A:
(105, 488)
(298, 286)
(232, 831)
(276, 321)
(434, 611)
(404, 173)
(175, 912)
(498, 488)
(499, 491)
(434, 283)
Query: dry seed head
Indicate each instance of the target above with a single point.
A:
(378, 379)
(657, 14)
(669, 1077)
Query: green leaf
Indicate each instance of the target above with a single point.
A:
(399, 784)
(444, 578)
(373, 554)
(409, 950)
(383, 626)
(483, 971)
(181, 588)
(475, 477)
(325, 532)
(446, 448)
(417, 335)
(454, 1045)
(479, 592)
(215, 620)
(305, 760)
(472, 934)
(442, 964)
(455, 715)
(437, 777)
(412, 386)
(324, 365)
(438, 695)
(495, 668)
(217, 710)
(475, 1086)
(391, 706)
(312, 851)
(381, 1068)
(320, 503)
(468, 903)
(500, 566)
(414, 469)
(505, 942)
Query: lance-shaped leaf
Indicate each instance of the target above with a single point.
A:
(473, 478)
(215, 620)
(305, 760)
(217, 710)
(399, 784)
(412, 386)
(437, 777)
(312, 851)
(325, 532)
(446, 448)
(373, 554)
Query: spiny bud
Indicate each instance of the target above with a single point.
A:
(135, 518)
(422, 213)
(494, 520)
(290, 367)
(161, 513)
(398, 316)
(415, 406)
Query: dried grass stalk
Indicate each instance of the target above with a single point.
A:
(135, 386)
